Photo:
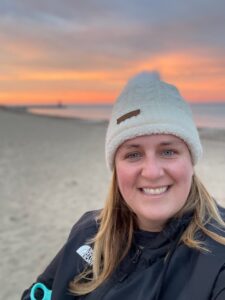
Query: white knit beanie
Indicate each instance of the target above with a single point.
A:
(146, 106)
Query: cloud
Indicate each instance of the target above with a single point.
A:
(119, 28)
(98, 41)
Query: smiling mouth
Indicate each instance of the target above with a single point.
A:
(155, 191)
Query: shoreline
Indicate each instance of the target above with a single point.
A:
(24, 111)
(203, 130)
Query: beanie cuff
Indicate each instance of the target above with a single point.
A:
(193, 143)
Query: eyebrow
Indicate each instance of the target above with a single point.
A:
(128, 146)
(169, 143)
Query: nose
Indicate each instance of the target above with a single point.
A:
(152, 168)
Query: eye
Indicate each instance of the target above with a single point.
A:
(168, 152)
(133, 155)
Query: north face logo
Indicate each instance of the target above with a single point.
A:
(86, 252)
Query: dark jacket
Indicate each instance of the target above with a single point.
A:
(157, 267)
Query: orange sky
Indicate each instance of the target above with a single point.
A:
(73, 54)
(199, 78)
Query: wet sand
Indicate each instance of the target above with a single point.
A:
(51, 171)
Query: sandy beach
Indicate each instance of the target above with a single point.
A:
(51, 171)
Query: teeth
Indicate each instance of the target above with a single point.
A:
(156, 191)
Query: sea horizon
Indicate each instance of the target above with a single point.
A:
(206, 114)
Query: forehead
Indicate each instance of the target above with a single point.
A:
(153, 139)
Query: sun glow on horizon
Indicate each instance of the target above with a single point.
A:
(199, 78)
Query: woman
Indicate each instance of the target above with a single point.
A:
(160, 235)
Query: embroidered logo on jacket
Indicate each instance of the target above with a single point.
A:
(86, 252)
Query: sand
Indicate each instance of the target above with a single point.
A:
(53, 170)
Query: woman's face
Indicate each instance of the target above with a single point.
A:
(154, 174)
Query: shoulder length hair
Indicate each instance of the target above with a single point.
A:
(117, 223)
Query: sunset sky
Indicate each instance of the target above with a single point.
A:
(83, 51)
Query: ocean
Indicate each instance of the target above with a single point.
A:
(210, 115)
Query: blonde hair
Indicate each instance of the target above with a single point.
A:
(117, 223)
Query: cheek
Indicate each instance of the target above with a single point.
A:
(184, 174)
(122, 177)
(125, 179)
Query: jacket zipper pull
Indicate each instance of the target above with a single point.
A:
(137, 255)
(134, 260)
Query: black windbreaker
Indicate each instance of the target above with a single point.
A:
(157, 267)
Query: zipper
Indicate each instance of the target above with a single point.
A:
(122, 275)
(137, 255)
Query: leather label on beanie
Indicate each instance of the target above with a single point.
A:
(128, 115)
